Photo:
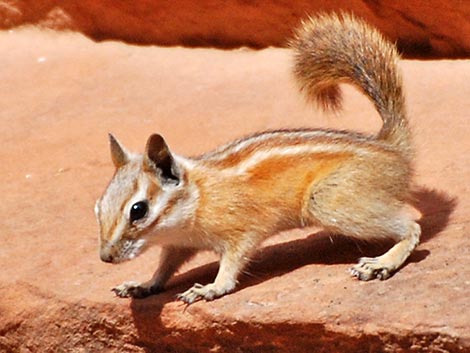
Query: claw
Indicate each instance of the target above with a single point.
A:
(135, 290)
(124, 290)
(198, 292)
(369, 268)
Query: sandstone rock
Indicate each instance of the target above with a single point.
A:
(62, 94)
(430, 28)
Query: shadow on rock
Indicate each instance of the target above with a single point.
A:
(435, 207)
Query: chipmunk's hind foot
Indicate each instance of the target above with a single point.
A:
(383, 267)
(370, 268)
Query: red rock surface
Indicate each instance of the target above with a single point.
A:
(431, 28)
(62, 94)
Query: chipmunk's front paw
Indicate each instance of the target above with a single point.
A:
(370, 268)
(199, 292)
(135, 290)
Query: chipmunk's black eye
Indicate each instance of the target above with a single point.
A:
(139, 210)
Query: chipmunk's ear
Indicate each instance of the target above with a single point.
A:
(159, 159)
(119, 154)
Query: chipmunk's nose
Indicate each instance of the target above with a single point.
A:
(106, 256)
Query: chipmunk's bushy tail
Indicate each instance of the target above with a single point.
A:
(331, 49)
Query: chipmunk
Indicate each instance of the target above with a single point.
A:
(231, 199)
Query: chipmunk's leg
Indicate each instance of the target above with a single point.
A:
(171, 259)
(368, 215)
(384, 266)
(231, 263)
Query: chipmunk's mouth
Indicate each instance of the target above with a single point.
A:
(127, 250)
(131, 249)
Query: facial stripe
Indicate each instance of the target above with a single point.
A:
(164, 210)
(119, 223)
(182, 204)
